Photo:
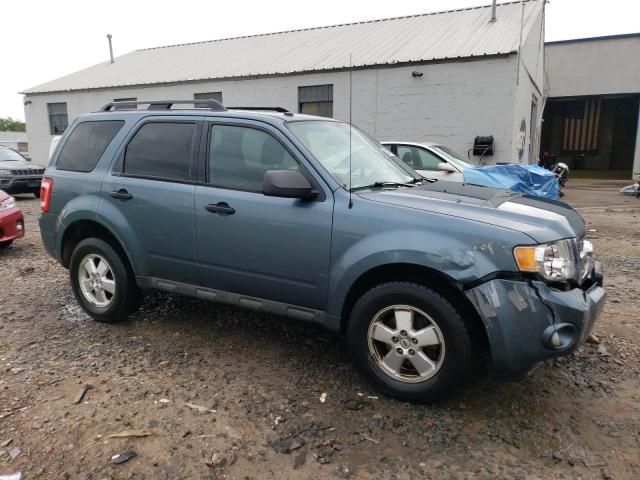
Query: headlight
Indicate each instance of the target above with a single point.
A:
(7, 203)
(555, 262)
(4, 171)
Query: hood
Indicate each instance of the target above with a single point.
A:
(542, 220)
(19, 165)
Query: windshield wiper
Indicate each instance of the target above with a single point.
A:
(385, 184)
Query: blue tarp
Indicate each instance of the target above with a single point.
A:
(528, 179)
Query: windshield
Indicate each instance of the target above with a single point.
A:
(371, 163)
(454, 157)
(8, 155)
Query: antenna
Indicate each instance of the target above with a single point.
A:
(350, 129)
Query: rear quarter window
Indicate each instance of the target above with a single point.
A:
(86, 144)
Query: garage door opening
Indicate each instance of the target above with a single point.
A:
(595, 136)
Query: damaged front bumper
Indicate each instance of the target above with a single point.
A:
(529, 321)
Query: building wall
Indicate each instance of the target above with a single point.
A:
(606, 67)
(451, 103)
(529, 87)
(594, 66)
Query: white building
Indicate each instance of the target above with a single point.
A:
(447, 76)
(15, 140)
(593, 111)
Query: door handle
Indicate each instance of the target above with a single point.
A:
(220, 207)
(121, 194)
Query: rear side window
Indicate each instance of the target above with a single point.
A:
(161, 150)
(86, 144)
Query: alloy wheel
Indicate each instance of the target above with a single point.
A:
(406, 343)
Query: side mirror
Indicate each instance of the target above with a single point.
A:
(445, 167)
(287, 184)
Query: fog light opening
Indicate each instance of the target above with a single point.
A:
(561, 336)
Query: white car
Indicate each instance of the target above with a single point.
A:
(431, 160)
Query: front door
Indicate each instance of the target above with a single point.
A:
(149, 196)
(248, 243)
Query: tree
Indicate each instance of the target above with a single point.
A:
(8, 124)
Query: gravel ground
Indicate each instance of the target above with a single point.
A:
(214, 392)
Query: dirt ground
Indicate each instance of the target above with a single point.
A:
(222, 393)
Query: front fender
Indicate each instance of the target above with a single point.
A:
(463, 259)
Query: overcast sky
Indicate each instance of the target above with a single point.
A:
(43, 40)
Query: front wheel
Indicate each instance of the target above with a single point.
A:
(6, 244)
(102, 281)
(409, 342)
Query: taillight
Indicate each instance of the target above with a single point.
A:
(46, 187)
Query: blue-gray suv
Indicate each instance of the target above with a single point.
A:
(310, 218)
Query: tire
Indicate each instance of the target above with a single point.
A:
(444, 365)
(36, 193)
(6, 244)
(109, 306)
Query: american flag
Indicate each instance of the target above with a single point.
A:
(581, 122)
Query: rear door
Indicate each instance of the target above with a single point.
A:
(248, 243)
(148, 197)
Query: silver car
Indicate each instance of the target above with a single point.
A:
(432, 160)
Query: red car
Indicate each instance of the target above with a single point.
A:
(11, 220)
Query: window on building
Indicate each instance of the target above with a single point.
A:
(207, 96)
(86, 144)
(161, 150)
(58, 120)
(126, 106)
(316, 100)
(239, 157)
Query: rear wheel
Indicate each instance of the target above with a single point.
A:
(409, 342)
(102, 281)
(36, 192)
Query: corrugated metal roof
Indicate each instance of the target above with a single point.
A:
(418, 38)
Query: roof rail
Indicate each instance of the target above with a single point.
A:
(266, 109)
(212, 105)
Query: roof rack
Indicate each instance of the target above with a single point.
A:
(266, 109)
(212, 105)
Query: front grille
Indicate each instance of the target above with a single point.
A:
(27, 171)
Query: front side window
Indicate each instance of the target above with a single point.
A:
(240, 156)
(316, 100)
(58, 120)
(161, 150)
(369, 161)
(418, 158)
(86, 144)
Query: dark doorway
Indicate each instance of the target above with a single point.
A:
(594, 135)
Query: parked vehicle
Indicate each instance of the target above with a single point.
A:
(308, 217)
(432, 160)
(11, 220)
(52, 146)
(18, 174)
